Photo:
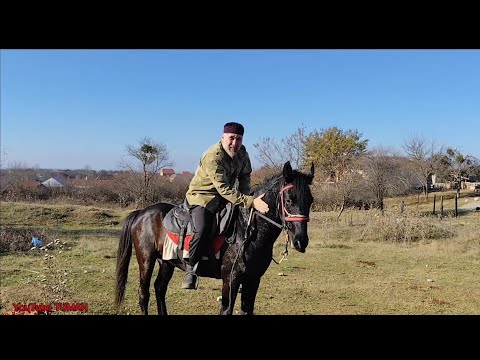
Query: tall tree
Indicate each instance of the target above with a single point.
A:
(334, 153)
(152, 157)
(333, 150)
(475, 169)
(425, 157)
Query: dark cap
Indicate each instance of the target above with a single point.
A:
(233, 128)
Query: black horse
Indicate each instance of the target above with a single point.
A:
(249, 249)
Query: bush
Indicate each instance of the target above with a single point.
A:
(20, 240)
(408, 228)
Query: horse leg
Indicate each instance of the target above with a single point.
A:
(249, 293)
(146, 270)
(161, 283)
(229, 295)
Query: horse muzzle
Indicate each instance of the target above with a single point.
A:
(300, 246)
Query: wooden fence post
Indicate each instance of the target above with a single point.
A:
(441, 207)
(434, 200)
(456, 206)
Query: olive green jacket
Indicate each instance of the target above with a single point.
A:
(216, 175)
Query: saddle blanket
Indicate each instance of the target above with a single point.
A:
(171, 251)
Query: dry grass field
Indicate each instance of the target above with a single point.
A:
(364, 263)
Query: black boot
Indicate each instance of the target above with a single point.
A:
(190, 280)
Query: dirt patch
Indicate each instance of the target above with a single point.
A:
(367, 263)
(471, 205)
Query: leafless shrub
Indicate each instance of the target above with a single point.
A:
(178, 189)
(12, 239)
(326, 197)
(387, 226)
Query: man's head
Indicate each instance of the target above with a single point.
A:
(232, 138)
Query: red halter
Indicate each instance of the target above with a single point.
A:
(290, 217)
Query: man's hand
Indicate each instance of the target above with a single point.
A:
(260, 205)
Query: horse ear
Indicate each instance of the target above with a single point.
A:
(288, 172)
(312, 172)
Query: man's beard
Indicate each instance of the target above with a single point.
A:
(231, 152)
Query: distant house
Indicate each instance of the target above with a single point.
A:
(32, 184)
(169, 173)
(55, 181)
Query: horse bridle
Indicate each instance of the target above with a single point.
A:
(285, 219)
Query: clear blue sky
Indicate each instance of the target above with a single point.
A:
(78, 108)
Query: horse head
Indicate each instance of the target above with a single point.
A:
(289, 198)
(295, 202)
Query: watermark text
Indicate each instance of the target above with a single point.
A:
(48, 308)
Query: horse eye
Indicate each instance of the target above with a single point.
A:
(288, 202)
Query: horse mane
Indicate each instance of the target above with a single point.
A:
(266, 184)
(300, 181)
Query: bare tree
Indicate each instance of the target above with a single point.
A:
(152, 157)
(294, 148)
(425, 156)
(347, 186)
(273, 154)
(3, 158)
(268, 152)
(475, 168)
(384, 174)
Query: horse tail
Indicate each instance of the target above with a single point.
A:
(124, 254)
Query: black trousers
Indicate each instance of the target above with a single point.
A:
(202, 224)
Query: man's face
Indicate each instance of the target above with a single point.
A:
(231, 143)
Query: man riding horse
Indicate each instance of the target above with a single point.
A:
(214, 183)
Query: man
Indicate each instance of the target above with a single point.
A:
(214, 183)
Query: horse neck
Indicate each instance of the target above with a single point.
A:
(261, 238)
(272, 198)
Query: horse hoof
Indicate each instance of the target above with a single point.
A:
(190, 281)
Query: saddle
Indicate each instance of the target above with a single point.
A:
(179, 230)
